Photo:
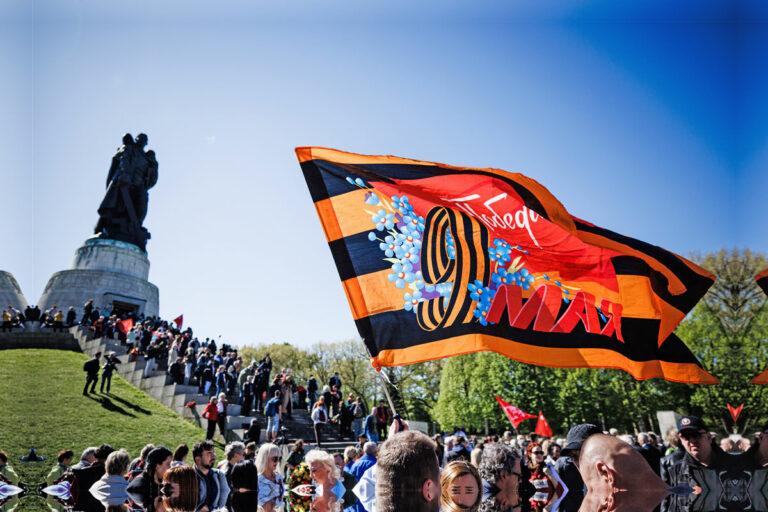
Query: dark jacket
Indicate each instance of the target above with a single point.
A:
(140, 490)
(91, 367)
(685, 470)
(571, 477)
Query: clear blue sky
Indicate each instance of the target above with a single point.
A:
(643, 118)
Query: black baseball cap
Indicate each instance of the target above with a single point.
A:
(577, 435)
(691, 423)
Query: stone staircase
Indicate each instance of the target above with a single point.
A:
(159, 385)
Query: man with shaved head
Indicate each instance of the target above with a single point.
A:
(617, 477)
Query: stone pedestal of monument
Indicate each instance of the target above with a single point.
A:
(113, 273)
(10, 293)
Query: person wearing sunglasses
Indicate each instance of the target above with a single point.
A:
(505, 481)
(271, 488)
(698, 467)
(539, 478)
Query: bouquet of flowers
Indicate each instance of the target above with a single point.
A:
(298, 481)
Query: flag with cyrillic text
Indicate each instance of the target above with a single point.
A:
(438, 261)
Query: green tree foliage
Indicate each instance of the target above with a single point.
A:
(728, 331)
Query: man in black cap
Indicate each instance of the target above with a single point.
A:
(566, 466)
(698, 468)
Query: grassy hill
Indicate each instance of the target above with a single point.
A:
(43, 406)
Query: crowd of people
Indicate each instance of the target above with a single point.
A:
(52, 318)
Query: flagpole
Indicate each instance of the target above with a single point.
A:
(384, 381)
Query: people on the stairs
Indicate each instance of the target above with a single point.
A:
(211, 414)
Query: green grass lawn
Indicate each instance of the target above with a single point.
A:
(43, 406)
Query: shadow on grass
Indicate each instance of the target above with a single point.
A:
(111, 406)
(131, 406)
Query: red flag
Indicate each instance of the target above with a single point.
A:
(179, 321)
(514, 415)
(542, 427)
(125, 325)
(735, 411)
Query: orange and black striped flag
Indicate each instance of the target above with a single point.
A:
(438, 261)
(762, 281)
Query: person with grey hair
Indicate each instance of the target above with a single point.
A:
(110, 489)
(500, 467)
(87, 458)
(233, 453)
(650, 453)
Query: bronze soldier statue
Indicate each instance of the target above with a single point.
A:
(124, 207)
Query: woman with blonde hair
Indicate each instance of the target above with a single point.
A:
(180, 490)
(327, 477)
(271, 488)
(461, 487)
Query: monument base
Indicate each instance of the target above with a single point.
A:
(112, 273)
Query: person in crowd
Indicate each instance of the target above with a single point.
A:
(137, 464)
(367, 460)
(91, 369)
(370, 432)
(296, 456)
(221, 418)
(176, 370)
(335, 381)
(566, 465)
(460, 450)
(553, 453)
(350, 457)
(501, 471)
(346, 416)
(271, 488)
(319, 419)
(64, 459)
(539, 477)
(383, 417)
(110, 489)
(85, 477)
(673, 444)
(477, 454)
(71, 319)
(287, 389)
(326, 476)
(312, 390)
(649, 452)
(213, 487)
(253, 434)
(407, 474)
(6, 470)
(439, 449)
(179, 454)
(702, 458)
(87, 458)
(245, 487)
(248, 389)
(617, 476)
(250, 450)
(211, 414)
(145, 487)
(110, 366)
(233, 453)
(358, 415)
(180, 490)
(58, 321)
(461, 488)
(273, 414)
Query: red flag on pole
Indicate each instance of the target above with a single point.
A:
(125, 325)
(542, 427)
(735, 411)
(514, 415)
(179, 321)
